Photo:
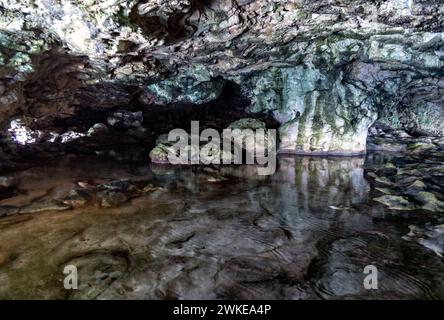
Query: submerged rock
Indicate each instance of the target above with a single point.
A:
(384, 190)
(384, 181)
(123, 185)
(380, 179)
(86, 185)
(439, 142)
(8, 210)
(151, 188)
(396, 202)
(431, 237)
(162, 169)
(45, 204)
(416, 187)
(112, 198)
(389, 169)
(429, 201)
(77, 198)
(341, 269)
(274, 238)
(419, 147)
(216, 179)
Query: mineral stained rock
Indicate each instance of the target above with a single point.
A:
(241, 138)
(326, 70)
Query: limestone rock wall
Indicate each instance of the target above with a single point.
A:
(325, 69)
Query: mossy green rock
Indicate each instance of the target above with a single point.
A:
(160, 154)
(247, 123)
(429, 201)
(416, 187)
(419, 147)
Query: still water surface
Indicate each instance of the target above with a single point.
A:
(306, 232)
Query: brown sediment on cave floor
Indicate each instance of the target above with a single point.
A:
(213, 233)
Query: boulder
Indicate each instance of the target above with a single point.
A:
(396, 202)
(125, 119)
(112, 198)
(98, 130)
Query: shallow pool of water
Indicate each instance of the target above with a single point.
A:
(307, 232)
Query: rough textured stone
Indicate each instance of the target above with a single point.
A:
(431, 237)
(325, 69)
(159, 154)
(125, 119)
(396, 202)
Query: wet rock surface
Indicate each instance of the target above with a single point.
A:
(411, 181)
(248, 135)
(88, 90)
(431, 237)
(388, 139)
(306, 232)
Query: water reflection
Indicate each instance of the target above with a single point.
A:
(306, 232)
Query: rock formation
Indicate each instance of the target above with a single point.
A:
(90, 89)
(324, 70)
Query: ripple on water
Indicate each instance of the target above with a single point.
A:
(305, 233)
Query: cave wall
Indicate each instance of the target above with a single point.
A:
(326, 70)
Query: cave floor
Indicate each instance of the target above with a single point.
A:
(307, 232)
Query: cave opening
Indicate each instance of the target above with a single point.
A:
(124, 132)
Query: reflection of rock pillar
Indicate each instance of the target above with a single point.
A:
(324, 182)
(286, 170)
(359, 183)
(323, 172)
